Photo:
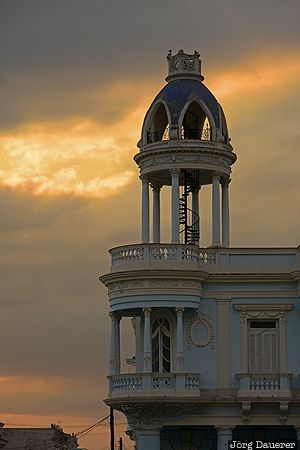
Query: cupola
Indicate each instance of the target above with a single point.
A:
(185, 136)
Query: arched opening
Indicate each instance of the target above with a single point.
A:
(161, 345)
(159, 127)
(195, 124)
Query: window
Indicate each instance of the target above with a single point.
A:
(263, 337)
(158, 129)
(161, 345)
(263, 346)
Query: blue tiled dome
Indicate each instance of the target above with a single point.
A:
(178, 92)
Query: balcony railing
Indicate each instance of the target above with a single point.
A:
(203, 134)
(150, 254)
(145, 256)
(156, 136)
(264, 384)
(163, 384)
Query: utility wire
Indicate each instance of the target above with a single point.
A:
(91, 427)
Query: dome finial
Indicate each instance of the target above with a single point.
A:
(183, 65)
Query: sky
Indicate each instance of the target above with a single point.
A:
(76, 79)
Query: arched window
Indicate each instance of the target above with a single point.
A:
(161, 345)
(159, 127)
(195, 124)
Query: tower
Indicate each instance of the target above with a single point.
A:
(185, 145)
(210, 324)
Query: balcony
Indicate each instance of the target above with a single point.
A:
(264, 385)
(203, 134)
(191, 257)
(154, 385)
(130, 257)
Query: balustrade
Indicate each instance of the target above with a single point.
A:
(161, 252)
(264, 385)
(265, 382)
(173, 384)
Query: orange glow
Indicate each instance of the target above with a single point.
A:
(259, 74)
(86, 158)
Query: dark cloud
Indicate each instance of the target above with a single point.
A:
(56, 57)
(53, 52)
(53, 307)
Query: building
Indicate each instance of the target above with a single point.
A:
(52, 438)
(3, 441)
(216, 328)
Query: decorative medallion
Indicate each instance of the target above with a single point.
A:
(200, 331)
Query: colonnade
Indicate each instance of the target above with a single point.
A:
(115, 365)
(220, 216)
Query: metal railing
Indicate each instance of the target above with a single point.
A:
(156, 136)
(202, 134)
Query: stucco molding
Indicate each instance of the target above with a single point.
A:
(263, 311)
(122, 284)
(207, 321)
(210, 161)
(154, 414)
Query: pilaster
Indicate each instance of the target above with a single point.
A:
(179, 340)
(147, 340)
(223, 343)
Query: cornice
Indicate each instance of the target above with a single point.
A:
(263, 307)
(247, 275)
(219, 296)
(184, 149)
(153, 274)
(209, 275)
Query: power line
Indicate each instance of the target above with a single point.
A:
(91, 428)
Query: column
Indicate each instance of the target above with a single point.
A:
(145, 209)
(149, 440)
(225, 213)
(147, 340)
(216, 241)
(179, 341)
(114, 343)
(195, 207)
(156, 212)
(175, 205)
(224, 435)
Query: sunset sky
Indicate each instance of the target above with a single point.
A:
(77, 77)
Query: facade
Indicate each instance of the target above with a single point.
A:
(52, 438)
(216, 328)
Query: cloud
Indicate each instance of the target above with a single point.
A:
(260, 73)
(77, 78)
(84, 160)
(60, 59)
